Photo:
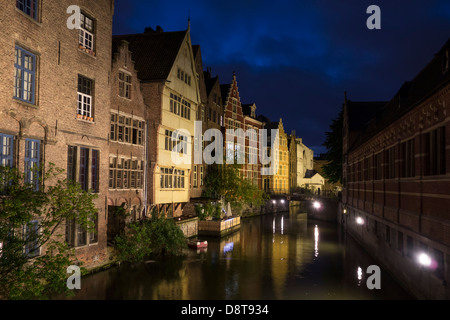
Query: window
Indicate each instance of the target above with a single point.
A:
(77, 235)
(166, 178)
(31, 168)
(177, 144)
(377, 173)
(390, 163)
(195, 177)
(438, 256)
(24, 75)
(85, 90)
(71, 163)
(29, 7)
(125, 173)
(31, 239)
(435, 152)
(6, 150)
(183, 76)
(409, 246)
(366, 169)
(180, 106)
(86, 38)
(6, 157)
(84, 165)
(95, 171)
(124, 85)
(400, 241)
(172, 178)
(87, 164)
(234, 105)
(127, 129)
(201, 176)
(407, 150)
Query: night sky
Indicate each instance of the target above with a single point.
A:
(295, 59)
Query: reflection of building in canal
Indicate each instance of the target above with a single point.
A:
(290, 251)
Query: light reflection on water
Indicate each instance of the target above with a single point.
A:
(270, 257)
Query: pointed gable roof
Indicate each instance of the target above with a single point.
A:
(154, 52)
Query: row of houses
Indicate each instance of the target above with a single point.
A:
(111, 109)
(396, 179)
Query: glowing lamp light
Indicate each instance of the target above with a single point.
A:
(424, 259)
(273, 201)
(316, 205)
(282, 201)
(360, 221)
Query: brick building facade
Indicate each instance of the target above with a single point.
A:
(55, 100)
(127, 142)
(166, 68)
(396, 178)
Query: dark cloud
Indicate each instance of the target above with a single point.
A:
(295, 59)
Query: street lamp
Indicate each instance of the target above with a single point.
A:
(316, 205)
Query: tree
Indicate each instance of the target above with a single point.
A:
(333, 142)
(223, 181)
(34, 256)
(157, 236)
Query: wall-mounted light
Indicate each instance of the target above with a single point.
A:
(282, 201)
(359, 220)
(424, 259)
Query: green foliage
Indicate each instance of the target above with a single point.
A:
(32, 220)
(157, 236)
(223, 181)
(135, 244)
(201, 212)
(217, 211)
(333, 142)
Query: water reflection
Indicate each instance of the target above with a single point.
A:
(275, 256)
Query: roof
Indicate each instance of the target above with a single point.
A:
(225, 89)
(374, 117)
(154, 52)
(310, 173)
(361, 113)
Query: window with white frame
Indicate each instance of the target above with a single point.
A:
(86, 36)
(85, 99)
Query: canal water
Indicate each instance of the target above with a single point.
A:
(279, 256)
